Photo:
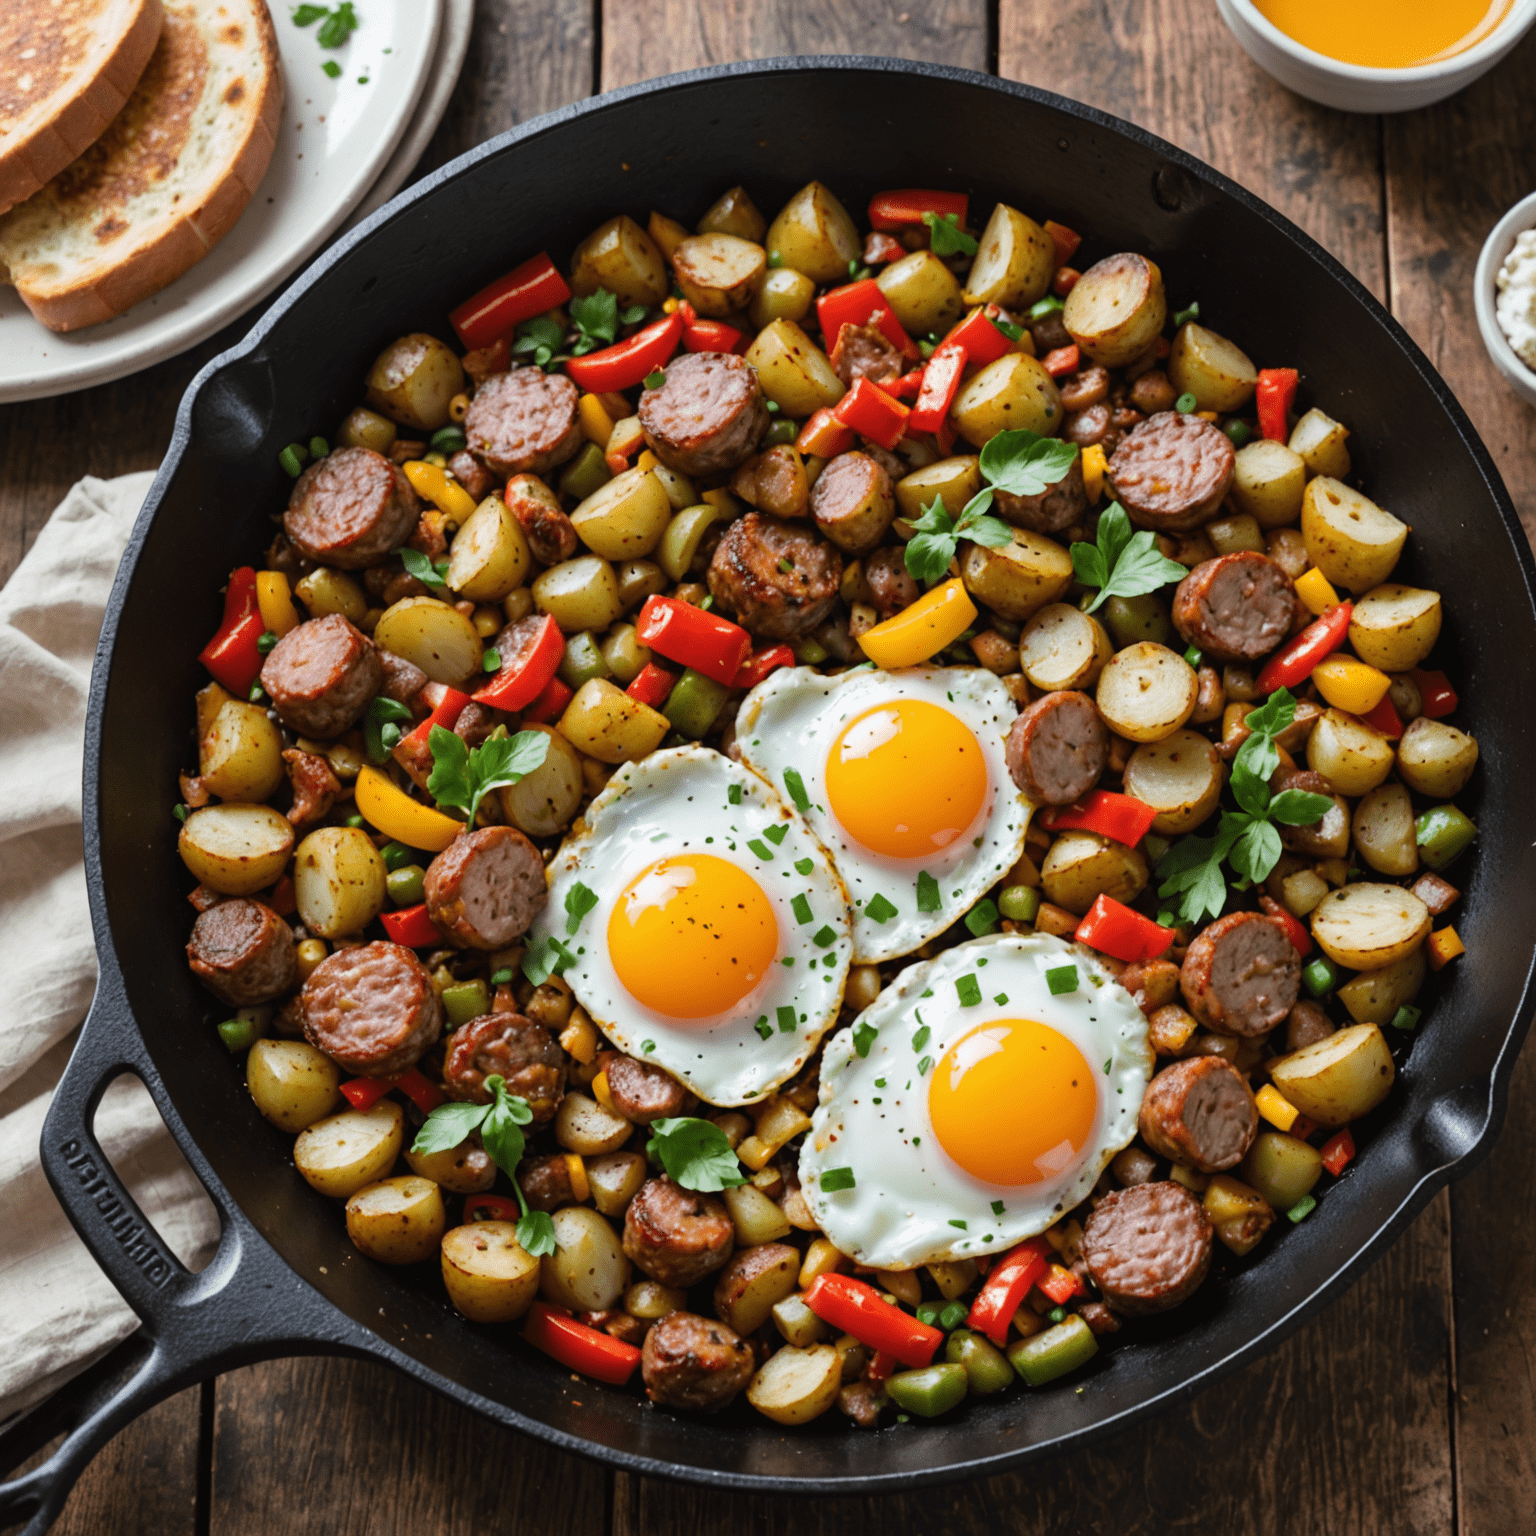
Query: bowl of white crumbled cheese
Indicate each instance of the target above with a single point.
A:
(1506, 296)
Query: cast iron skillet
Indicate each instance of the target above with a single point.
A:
(285, 1280)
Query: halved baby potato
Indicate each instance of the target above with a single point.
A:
(236, 849)
(241, 756)
(1117, 308)
(1014, 261)
(340, 1154)
(1436, 759)
(1395, 627)
(753, 1282)
(923, 293)
(1063, 647)
(1017, 578)
(717, 272)
(1337, 1080)
(783, 294)
(291, 1083)
(1384, 831)
(397, 1221)
(625, 518)
(466, 1169)
(1180, 776)
(734, 213)
(588, 1270)
(543, 802)
(489, 1275)
(1352, 756)
(1373, 997)
(414, 379)
(1269, 482)
(338, 881)
(489, 556)
(1012, 391)
(1319, 440)
(588, 1128)
(1351, 540)
(792, 370)
(796, 1385)
(618, 255)
(1081, 866)
(1367, 926)
(954, 481)
(433, 636)
(813, 234)
(1217, 372)
(1146, 691)
(605, 723)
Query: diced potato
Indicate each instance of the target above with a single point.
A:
(605, 723)
(1436, 759)
(489, 1275)
(1063, 647)
(667, 233)
(210, 699)
(1116, 309)
(1081, 866)
(1217, 372)
(1384, 832)
(1368, 926)
(753, 1282)
(1351, 540)
(466, 1169)
(433, 636)
(579, 594)
(1352, 756)
(340, 1154)
(583, 1125)
(923, 293)
(718, 272)
(291, 1083)
(734, 213)
(338, 881)
(821, 1258)
(954, 481)
(588, 1270)
(1012, 391)
(651, 1302)
(1301, 891)
(684, 533)
(1373, 997)
(1395, 627)
(679, 488)
(757, 1218)
(618, 255)
(783, 294)
(1282, 1168)
(624, 519)
(1019, 578)
(544, 801)
(489, 555)
(241, 757)
(793, 371)
(1179, 775)
(1231, 535)
(1337, 1080)
(1319, 440)
(326, 591)
(397, 1221)
(615, 1179)
(1240, 1214)
(413, 380)
(1269, 483)
(1146, 691)
(813, 234)
(367, 429)
(794, 1386)
(774, 481)
(236, 849)
(1013, 263)
(797, 1323)
(954, 1277)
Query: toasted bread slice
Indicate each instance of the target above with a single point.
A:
(165, 182)
(68, 69)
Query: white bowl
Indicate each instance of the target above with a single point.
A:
(1496, 247)
(1355, 88)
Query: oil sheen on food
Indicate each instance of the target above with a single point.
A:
(1386, 34)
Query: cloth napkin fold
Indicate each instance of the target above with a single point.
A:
(60, 1311)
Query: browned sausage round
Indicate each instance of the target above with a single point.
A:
(243, 952)
(852, 502)
(642, 1092)
(1200, 1112)
(1091, 425)
(1306, 1024)
(506, 1045)
(707, 415)
(1236, 607)
(545, 1181)
(315, 786)
(675, 1235)
(485, 888)
(351, 509)
(1057, 748)
(1324, 839)
(1241, 976)
(476, 479)
(779, 581)
(1171, 472)
(1057, 507)
(1087, 387)
(372, 1009)
(524, 420)
(862, 352)
(403, 680)
(694, 1362)
(321, 676)
(890, 582)
(1148, 1247)
(550, 533)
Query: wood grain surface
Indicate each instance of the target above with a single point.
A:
(1410, 1406)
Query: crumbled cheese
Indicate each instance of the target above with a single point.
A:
(1516, 307)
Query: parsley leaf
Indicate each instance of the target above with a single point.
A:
(932, 547)
(307, 15)
(338, 26)
(695, 1154)
(579, 900)
(596, 318)
(864, 1036)
(1025, 464)
(461, 776)
(539, 339)
(549, 957)
(536, 1233)
(1122, 563)
(945, 236)
(1299, 807)
(417, 565)
(448, 1125)
(381, 712)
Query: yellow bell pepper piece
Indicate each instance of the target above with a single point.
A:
(396, 815)
(431, 482)
(576, 1172)
(1275, 1107)
(1093, 471)
(596, 423)
(1442, 947)
(276, 602)
(1316, 591)
(1350, 685)
(935, 620)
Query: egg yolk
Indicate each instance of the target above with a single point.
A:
(1013, 1102)
(692, 935)
(906, 778)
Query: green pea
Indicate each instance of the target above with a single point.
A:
(1019, 903)
(582, 661)
(783, 432)
(397, 855)
(810, 652)
(928, 1313)
(406, 885)
(694, 704)
(953, 1314)
(585, 473)
(930, 1391)
(1130, 620)
(466, 1000)
(1238, 432)
(449, 440)
(1053, 1353)
(986, 1366)
(1443, 834)
(1321, 976)
(238, 1034)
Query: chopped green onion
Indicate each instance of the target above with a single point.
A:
(928, 898)
(1321, 976)
(784, 1014)
(1057, 1314)
(238, 1034)
(1062, 979)
(491, 662)
(265, 641)
(982, 919)
(763, 1027)
(1238, 432)
(1049, 305)
(968, 989)
(354, 820)
(255, 695)
(835, 1179)
(800, 905)
(318, 448)
(878, 909)
(1303, 1208)
(1185, 403)
(1184, 316)
(292, 459)
(501, 978)
(449, 440)
(1194, 655)
(1406, 1017)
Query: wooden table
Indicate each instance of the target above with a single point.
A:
(1410, 1405)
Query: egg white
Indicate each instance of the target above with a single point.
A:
(908, 1193)
(679, 801)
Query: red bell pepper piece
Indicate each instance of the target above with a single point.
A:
(651, 685)
(1114, 929)
(1060, 361)
(1436, 693)
(856, 1307)
(550, 702)
(627, 362)
(1384, 718)
(757, 666)
(232, 655)
(1274, 396)
(872, 413)
(1006, 1287)
(1302, 1128)
(1293, 663)
(522, 678)
(682, 633)
(490, 1208)
(1337, 1151)
(426, 1096)
(907, 386)
(945, 436)
(281, 897)
(824, 435)
(906, 206)
(1295, 929)
(941, 383)
(583, 1349)
(447, 705)
(710, 336)
(978, 333)
(862, 303)
(1061, 1285)
(524, 292)
(411, 927)
(362, 1093)
(1123, 817)
(1065, 281)
(1066, 241)
(882, 1366)
(880, 250)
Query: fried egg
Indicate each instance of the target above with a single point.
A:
(708, 929)
(974, 1102)
(902, 775)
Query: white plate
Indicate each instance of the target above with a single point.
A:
(336, 137)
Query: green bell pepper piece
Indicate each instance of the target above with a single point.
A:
(1053, 1353)
(1443, 833)
(466, 1000)
(694, 704)
(930, 1391)
(986, 1366)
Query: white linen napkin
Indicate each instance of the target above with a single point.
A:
(60, 1310)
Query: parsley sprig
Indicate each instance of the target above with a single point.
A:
(500, 1124)
(597, 319)
(336, 24)
(1122, 563)
(1247, 839)
(538, 339)
(946, 237)
(461, 776)
(430, 573)
(695, 1154)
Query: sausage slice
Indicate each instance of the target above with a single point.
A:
(1057, 507)
(890, 582)
(1148, 1247)
(853, 502)
(694, 1362)
(1236, 607)
(509, 1046)
(546, 1181)
(1241, 975)
(1172, 471)
(524, 420)
(862, 352)
(1200, 1112)
(550, 533)
(779, 581)
(351, 509)
(321, 676)
(676, 1236)
(485, 888)
(1057, 748)
(706, 416)
(641, 1091)
(243, 952)
(371, 1009)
